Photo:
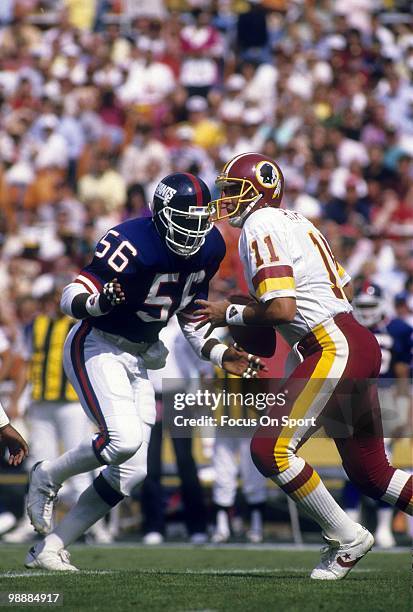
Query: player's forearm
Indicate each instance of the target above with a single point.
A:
(73, 301)
(211, 349)
(79, 304)
(267, 314)
(20, 383)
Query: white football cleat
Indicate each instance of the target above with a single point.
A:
(23, 532)
(7, 522)
(220, 536)
(222, 531)
(41, 498)
(152, 538)
(337, 560)
(254, 536)
(51, 560)
(383, 537)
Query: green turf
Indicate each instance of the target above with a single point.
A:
(189, 579)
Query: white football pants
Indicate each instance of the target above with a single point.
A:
(232, 457)
(115, 392)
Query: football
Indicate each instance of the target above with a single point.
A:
(260, 341)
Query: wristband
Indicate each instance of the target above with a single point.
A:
(4, 419)
(234, 314)
(217, 353)
(92, 305)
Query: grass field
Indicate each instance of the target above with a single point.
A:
(208, 579)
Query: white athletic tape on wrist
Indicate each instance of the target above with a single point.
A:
(235, 314)
(92, 305)
(217, 353)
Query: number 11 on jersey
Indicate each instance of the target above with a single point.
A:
(259, 261)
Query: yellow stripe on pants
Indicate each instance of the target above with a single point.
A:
(307, 396)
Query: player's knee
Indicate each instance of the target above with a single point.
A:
(118, 454)
(262, 455)
(132, 474)
(271, 457)
(122, 447)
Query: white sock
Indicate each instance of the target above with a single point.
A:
(304, 486)
(322, 507)
(89, 508)
(222, 524)
(353, 514)
(75, 461)
(256, 521)
(384, 519)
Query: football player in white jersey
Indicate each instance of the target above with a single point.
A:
(300, 288)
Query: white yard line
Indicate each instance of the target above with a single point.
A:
(38, 573)
(201, 572)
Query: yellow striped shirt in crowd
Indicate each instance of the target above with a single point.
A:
(47, 376)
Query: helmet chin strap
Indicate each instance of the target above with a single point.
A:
(238, 220)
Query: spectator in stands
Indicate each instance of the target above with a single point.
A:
(143, 150)
(104, 182)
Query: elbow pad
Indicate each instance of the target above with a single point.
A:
(69, 293)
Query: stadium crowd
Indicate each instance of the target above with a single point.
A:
(99, 100)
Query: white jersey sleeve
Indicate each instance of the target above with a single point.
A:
(343, 274)
(4, 419)
(266, 255)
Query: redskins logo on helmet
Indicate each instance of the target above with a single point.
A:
(268, 176)
(247, 182)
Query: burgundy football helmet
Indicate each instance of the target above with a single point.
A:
(247, 182)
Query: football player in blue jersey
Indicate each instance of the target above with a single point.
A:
(395, 338)
(143, 272)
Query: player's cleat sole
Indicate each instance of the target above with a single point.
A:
(337, 560)
(53, 561)
(40, 499)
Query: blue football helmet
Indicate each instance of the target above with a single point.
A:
(180, 212)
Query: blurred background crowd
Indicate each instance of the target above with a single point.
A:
(100, 99)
